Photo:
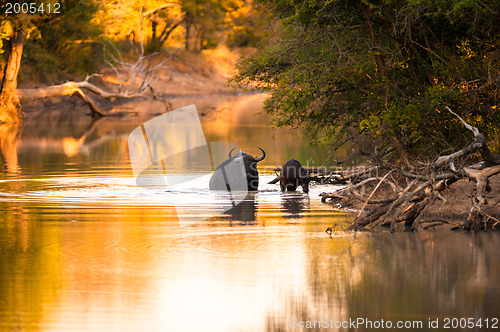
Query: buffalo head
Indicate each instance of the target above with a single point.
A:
(227, 172)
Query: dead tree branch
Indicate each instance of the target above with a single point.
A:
(131, 79)
(424, 186)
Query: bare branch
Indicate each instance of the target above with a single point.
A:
(466, 125)
(373, 192)
(152, 11)
(425, 187)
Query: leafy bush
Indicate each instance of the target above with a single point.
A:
(382, 70)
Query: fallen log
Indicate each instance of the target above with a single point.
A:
(322, 175)
(66, 89)
(70, 88)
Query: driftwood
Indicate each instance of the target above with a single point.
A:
(322, 175)
(411, 191)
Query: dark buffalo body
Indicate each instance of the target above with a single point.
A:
(228, 172)
(293, 175)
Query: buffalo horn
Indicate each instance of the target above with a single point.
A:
(231, 157)
(261, 157)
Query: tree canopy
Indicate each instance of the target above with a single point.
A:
(79, 37)
(71, 41)
(382, 71)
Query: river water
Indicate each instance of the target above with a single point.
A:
(83, 248)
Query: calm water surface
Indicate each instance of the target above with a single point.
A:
(83, 248)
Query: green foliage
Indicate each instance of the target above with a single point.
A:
(63, 42)
(72, 39)
(208, 20)
(69, 44)
(383, 68)
(4, 34)
(245, 26)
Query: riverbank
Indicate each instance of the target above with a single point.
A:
(188, 77)
(457, 203)
(450, 210)
(183, 75)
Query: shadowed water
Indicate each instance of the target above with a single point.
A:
(83, 248)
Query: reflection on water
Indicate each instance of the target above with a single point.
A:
(8, 146)
(83, 248)
(245, 211)
(293, 205)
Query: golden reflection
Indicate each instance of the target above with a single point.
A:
(9, 134)
(30, 271)
(47, 143)
(71, 146)
(234, 294)
(127, 267)
(100, 255)
(223, 119)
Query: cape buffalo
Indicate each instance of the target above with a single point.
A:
(238, 169)
(292, 175)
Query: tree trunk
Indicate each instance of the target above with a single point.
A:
(168, 30)
(188, 19)
(9, 102)
(154, 28)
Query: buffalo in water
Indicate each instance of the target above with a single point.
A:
(231, 171)
(292, 175)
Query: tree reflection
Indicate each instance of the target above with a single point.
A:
(408, 276)
(9, 136)
(29, 273)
